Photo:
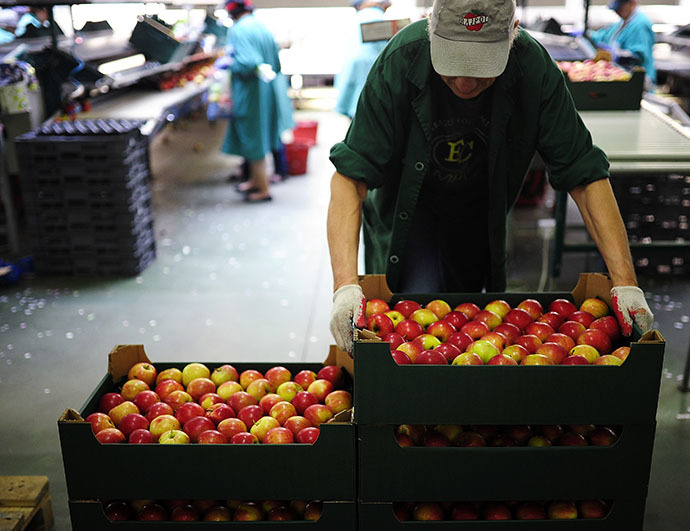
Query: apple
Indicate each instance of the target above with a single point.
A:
(551, 431)
(509, 331)
(427, 511)
(244, 438)
(192, 371)
(339, 400)
(571, 438)
(518, 317)
(145, 399)
(308, 435)
(209, 399)
(172, 373)
(435, 438)
(250, 414)
(566, 342)
(175, 437)
(406, 307)
(536, 359)
(582, 429)
(279, 435)
(597, 339)
(118, 511)
(218, 513)
(312, 511)
(108, 401)
(268, 505)
(262, 426)
(248, 512)
(394, 339)
(320, 388)
(219, 412)
(304, 378)
(588, 351)
(380, 324)
(248, 376)
(131, 422)
(475, 329)
(288, 390)
(260, 388)
(498, 340)
(469, 309)
(231, 426)
(502, 441)
(608, 359)
(424, 317)
(593, 509)
(212, 437)
(403, 440)
(177, 398)
(184, 513)
(303, 400)
(165, 387)
(281, 514)
(562, 307)
(99, 421)
(622, 353)
(595, 307)
(224, 373)
(140, 436)
(400, 357)
(602, 436)
(529, 342)
(572, 329)
(468, 358)
(439, 307)
(143, 371)
(451, 431)
(110, 436)
(199, 387)
(138, 504)
(426, 342)
(153, 512)
(278, 375)
(268, 401)
(484, 349)
(502, 359)
(520, 433)
(317, 414)
(530, 511)
(193, 427)
(499, 307)
(431, 357)
(118, 412)
(411, 349)
(414, 431)
(376, 306)
(333, 374)
(229, 388)
(579, 316)
(489, 318)
(553, 319)
(282, 411)
(464, 511)
(575, 360)
(471, 439)
(497, 511)
(395, 316)
(457, 319)
(515, 351)
(608, 324)
(538, 441)
(441, 329)
(298, 506)
(562, 510)
(447, 350)
(553, 351)
(296, 424)
(240, 400)
(541, 330)
(158, 409)
(533, 307)
(131, 388)
(204, 505)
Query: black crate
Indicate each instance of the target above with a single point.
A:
(608, 95)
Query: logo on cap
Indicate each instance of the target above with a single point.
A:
(474, 21)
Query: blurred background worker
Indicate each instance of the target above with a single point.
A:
(260, 111)
(633, 32)
(350, 80)
(35, 16)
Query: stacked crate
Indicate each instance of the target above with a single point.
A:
(86, 189)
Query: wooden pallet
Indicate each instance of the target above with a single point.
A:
(25, 504)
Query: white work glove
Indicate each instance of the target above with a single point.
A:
(349, 306)
(265, 72)
(630, 306)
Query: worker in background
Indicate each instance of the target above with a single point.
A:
(8, 22)
(446, 126)
(259, 92)
(36, 16)
(360, 57)
(633, 32)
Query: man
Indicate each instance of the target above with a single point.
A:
(446, 126)
(633, 32)
(361, 56)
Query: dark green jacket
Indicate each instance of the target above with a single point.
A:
(387, 144)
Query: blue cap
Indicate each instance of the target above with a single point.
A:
(617, 3)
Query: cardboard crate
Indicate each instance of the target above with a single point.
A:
(324, 471)
(88, 515)
(608, 95)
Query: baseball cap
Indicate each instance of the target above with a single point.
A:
(471, 38)
(617, 3)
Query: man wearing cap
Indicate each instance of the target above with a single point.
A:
(360, 57)
(633, 32)
(446, 126)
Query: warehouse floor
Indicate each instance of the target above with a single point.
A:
(239, 282)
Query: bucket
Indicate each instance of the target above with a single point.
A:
(305, 132)
(296, 156)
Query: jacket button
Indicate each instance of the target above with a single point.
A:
(403, 216)
(419, 166)
(394, 259)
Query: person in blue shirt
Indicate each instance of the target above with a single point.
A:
(36, 16)
(633, 32)
(350, 80)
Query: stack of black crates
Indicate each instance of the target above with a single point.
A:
(87, 196)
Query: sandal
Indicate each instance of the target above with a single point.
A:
(255, 198)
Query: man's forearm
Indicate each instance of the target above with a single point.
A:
(343, 225)
(603, 220)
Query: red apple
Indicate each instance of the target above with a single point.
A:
(224, 373)
(575, 360)
(554, 351)
(509, 331)
(296, 424)
(177, 398)
(219, 412)
(281, 513)
(593, 509)
(442, 330)
(499, 307)
(165, 387)
(209, 399)
(339, 400)
(411, 349)
(199, 387)
(501, 359)
(541, 330)
(184, 513)
(172, 373)
(145, 400)
(518, 317)
(143, 371)
(320, 388)
(304, 378)
(250, 414)
(303, 400)
(188, 411)
(268, 401)
(460, 339)
(622, 353)
(489, 318)
(260, 388)
(608, 324)
(469, 309)
(439, 307)
(497, 511)
(240, 400)
(312, 511)
(99, 421)
(448, 351)
(282, 411)
(595, 306)
(394, 339)
(375, 306)
(572, 438)
(530, 511)
(248, 376)
(401, 511)
(404, 440)
(140, 436)
(230, 427)
(471, 439)
(307, 435)
(602, 436)
(533, 307)
(401, 358)
(498, 340)
(434, 438)
(317, 414)
(551, 431)
(118, 511)
(279, 435)
(562, 307)
(108, 401)
(193, 427)
(431, 357)
(158, 409)
(427, 511)
(597, 339)
(406, 307)
(572, 329)
(475, 329)
(457, 319)
(380, 324)
(608, 359)
(132, 388)
(553, 319)
(118, 412)
(153, 512)
(333, 374)
(528, 342)
(515, 351)
(565, 341)
(110, 436)
(212, 437)
(244, 438)
(464, 511)
(131, 422)
(218, 513)
(579, 316)
(520, 433)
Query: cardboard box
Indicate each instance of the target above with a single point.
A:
(382, 30)
(608, 95)
(322, 471)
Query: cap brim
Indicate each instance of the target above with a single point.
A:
(469, 59)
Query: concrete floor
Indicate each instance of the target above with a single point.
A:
(238, 282)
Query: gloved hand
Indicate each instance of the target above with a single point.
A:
(349, 306)
(265, 72)
(630, 305)
(223, 63)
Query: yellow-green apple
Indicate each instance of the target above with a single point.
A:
(451, 431)
(211, 437)
(622, 353)
(304, 378)
(431, 357)
(572, 438)
(395, 316)
(218, 513)
(317, 414)
(406, 307)
(240, 400)
(475, 329)
(99, 421)
(320, 388)
(110, 436)
(199, 387)
(608, 359)
(530, 342)
(588, 351)
(184, 513)
(471, 439)
(152, 512)
(268, 401)
(579, 316)
(562, 307)
(131, 422)
(575, 360)
(595, 306)
(499, 307)
(158, 409)
(161, 424)
(426, 342)
(193, 427)
(468, 358)
(427, 511)
(145, 400)
(490, 318)
(231, 426)
(409, 329)
(439, 307)
(608, 324)
(339, 400)
(413, 431)
(219, 412)
(572, 329)
(602, 436)
(118, 412)
(132, 388)
(296, 424)
(441, 329)
(244, 438)
(457, 319)
(538, 441)
(143, 371)
(333, 374)
(165, 387)
(554, 351)
(278, 375)
(194, 370)
(250, 414)
(497, 511)
(411, 349)
(375, 306)
(308, 435)
(282, 411)
(380, 324)
(541, 330)
(515, 351)
(532, 307)
(464, 511)
(248, 376)
(553, 319)
(303, 400)
(224, 373)
(469, 309)
(448, 350)
(484, 349)
(260, 388)
(565, 341)
(599, 339)
(460, 339)
(562, 510)
(140, 436)
(593, 509)
(498, 340)
(518, 317)
(108, 401)
(173, 373)
(424, 317)
(207, 400)
(229, 388)
(536, 359)
(530, 511)
(394, 339)
(281, 514)
(502, 359)
(262, 426)
(118, 511)
(177, 398)
(279, 435)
